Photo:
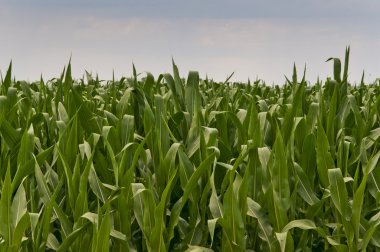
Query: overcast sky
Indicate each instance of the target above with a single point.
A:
(254, 39)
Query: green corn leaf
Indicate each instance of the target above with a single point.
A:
(304, 224)
(304, 188)
(359, 195)
(176, 210)
(104, 232)
(266, 230)
(192, 95)
(232, 223)
(65, 245)
(19, 231)
(337, 68)
(7, 80)
(374, 222)
(19, 206)
(5, 210)
(198, 249)
(289, 118)
(339, 194)
(27, 168)
(324, 159)
(96, 185)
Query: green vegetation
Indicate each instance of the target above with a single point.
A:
(170, 164)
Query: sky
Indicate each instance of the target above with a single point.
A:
(254, 39)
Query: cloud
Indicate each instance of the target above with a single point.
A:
(222, 9)
(41, 41)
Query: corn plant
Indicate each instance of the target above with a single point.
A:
(185, 164)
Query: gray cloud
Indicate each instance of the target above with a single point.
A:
(102, 37)
(335, 9)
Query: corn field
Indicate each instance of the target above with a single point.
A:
(174, 164)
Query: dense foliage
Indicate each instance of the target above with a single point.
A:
(170, 164)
